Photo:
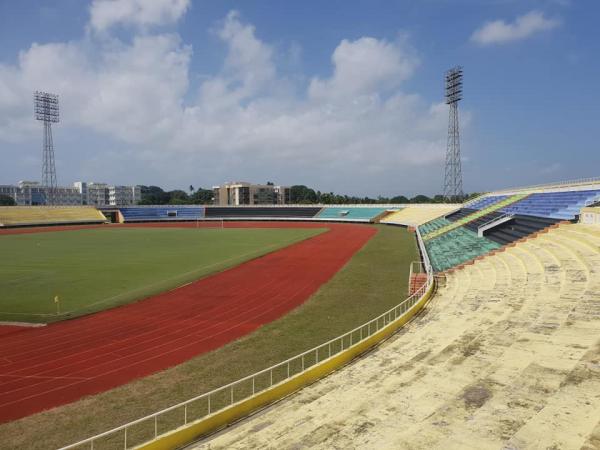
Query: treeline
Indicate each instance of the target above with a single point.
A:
(6, 200)
(301, 194)
(154, 195)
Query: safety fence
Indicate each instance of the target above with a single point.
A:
(557, 185)
(241, 393)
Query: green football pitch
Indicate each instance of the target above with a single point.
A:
(95, 269)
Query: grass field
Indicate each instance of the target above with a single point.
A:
(373, 281)
(95, 269)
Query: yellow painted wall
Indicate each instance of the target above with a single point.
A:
(590, 215)
(213, 422)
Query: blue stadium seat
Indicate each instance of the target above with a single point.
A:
(133, 214)
(484, 202)
(563, 205)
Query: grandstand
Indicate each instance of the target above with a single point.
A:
(254, 212)
(161, 213)
(518, 227)
(489, 222)
(491, 208)
(12, 216)
(457, 247)
(415, 215)
(554, 204)
(355, 214)
(435, 224)
(484, 201)
(188, 212)
(506, 356)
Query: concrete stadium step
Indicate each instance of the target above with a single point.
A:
(415, 215)
(527, 258)
(505, 356)
(519, 227)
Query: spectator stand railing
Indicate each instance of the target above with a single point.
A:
(207, 412)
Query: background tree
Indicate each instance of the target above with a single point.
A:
(202, 197)
(399, 199)
(154, 195)
(5, 200)
(178, 197)
(302, 194)
(421, 199)
(299, 193)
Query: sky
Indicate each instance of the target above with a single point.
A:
(343, 96)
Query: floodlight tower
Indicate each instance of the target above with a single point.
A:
(453, 174)
(46, 110)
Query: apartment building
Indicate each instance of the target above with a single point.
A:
(244, 193)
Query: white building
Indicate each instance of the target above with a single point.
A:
(28, 193)
(124, 195)
(102, 194)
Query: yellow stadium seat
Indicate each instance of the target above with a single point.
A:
(415, 215)
(44, 215)
(505, 355)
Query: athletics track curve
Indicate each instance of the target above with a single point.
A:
(41, 368)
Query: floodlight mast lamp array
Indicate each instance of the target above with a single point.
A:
(46, 110)
(453, 189)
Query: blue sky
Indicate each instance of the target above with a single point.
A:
(344, 96)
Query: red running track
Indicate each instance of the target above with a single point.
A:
(41, 368)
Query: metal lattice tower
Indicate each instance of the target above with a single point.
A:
(453, 173)
(46, 110)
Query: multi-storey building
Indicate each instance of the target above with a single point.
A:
(243, 193)
(27, 193)
(33, 193)
(124, 195)
(94, 194)
(102, 194)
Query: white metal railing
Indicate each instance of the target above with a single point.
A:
(499, 220)
(424, 255)
(495, 219)
(293, 205)
(559, 184)
(154, 425)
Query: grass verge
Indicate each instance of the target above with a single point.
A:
(374, 280)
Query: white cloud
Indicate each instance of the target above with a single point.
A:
(247, 70)
(499, 31)
(365, 66)
(354, 132)
(132, 92)
(106, 13)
